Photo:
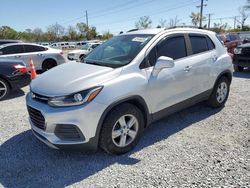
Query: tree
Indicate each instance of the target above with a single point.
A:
(162, 23)
(196, 18)
(106, 35)
(173, 21)
(244, 15)
(56, 31)
(143, 23)
(37, 33)
(7, 32)
(247, 6)
(72, 34)
(83, 29)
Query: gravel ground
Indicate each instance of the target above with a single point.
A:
(197, 147)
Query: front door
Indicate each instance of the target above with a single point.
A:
(171, 85)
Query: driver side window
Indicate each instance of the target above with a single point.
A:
(174, 47)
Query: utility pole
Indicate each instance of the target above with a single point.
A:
(209, 20)
(201, 11)
(87, 22)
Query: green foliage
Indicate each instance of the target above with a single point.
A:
(55, 32)
(195, 17)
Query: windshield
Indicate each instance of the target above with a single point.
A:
(118, 51)
(85, 47)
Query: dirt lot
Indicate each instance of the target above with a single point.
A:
(197, 147)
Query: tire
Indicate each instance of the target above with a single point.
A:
(116, 138)
(238, 68)
(48, 64)
(4, 89)
(81, 58)
(220, 93)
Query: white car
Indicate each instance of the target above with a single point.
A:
(81, 53)
(44, 58)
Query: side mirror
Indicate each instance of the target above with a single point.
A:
(163, 63)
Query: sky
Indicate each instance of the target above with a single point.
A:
(110, 15)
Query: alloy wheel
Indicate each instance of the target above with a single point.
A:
(3, 89)
(222, 91)
(125, 130)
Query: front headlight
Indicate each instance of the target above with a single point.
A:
(237, 50)
(75, 99)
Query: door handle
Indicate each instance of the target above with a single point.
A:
(17, 56)
(40, 54)
(187, 68)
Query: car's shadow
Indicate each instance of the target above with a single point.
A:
(15, 94)
(25, 162)
(244, 74)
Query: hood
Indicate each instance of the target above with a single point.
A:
(247, 45)
(78, 51)
(71, 77)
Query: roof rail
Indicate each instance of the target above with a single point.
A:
(184, 26)
(132, 30)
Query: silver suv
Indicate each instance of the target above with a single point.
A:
(125, 84)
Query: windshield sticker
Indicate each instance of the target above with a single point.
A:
(139, 39)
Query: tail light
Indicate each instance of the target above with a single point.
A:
(61, 52)
(21, 68)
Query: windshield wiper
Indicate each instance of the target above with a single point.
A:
(94, 63)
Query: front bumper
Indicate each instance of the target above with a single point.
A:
(243, 61)
(85, 118)
(72, 57)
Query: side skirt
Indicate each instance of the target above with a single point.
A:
(182, 105)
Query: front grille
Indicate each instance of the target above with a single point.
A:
(36, 118)
(68, 132)
(246, 51)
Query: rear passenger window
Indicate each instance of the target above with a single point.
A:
(31, 48)
(172, 47)
(199, 44)
(210, 44)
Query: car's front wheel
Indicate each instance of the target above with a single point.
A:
(4, 89)
(122, 129)
(220, 93)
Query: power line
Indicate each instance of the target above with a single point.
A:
(150, 13)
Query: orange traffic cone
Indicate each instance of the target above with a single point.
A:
(32, 69)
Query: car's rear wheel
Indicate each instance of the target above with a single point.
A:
(220, 93)
(238, 68)
(122, 129)
(48, 64)
(4, 89)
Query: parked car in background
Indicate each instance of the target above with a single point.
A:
(230, 40)
(125, 84)
(80, 44)
(78, 55)
(6, 41)
(241, 58)
(44, 58)
(13, 75)
(244, 36)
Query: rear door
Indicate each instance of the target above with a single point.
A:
(34, 52)
(203, 57)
